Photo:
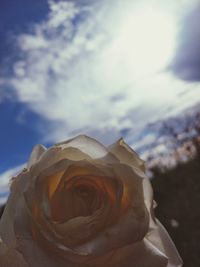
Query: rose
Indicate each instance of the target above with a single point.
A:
(79, 203)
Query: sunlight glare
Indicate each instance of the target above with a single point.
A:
(145, 41)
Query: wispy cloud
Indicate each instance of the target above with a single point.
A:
(101, 67)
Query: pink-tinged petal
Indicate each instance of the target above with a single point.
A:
(126, 154)
(36, 153)
(162, 241)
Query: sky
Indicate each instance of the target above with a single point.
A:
(103, 68)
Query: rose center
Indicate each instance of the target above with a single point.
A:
(85, 192)
(78, 200)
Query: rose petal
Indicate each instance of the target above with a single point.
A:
(162, 241)
(37, 151)
(140, 254)
(126, 154)
(7, 232)
(147, 255)
(76, 149)
(103, 184)
(80, 229)
(35, 192)
(132, 226)
(87, 145)
(37, 257)
(149, 202)
(11, 258)
(57, 154)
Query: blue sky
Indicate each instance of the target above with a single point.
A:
(16, 17)
(94, 67)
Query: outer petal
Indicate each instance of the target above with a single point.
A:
(87, 145)
(37, 151)
(37, 257)
(157, 235)
(126, 155)
(147, 255)
(140, 254)
(11, 258)
(161, 240)
(76, 149)
(149, 202)
(7, 232)
(94, 150)
(54, 155)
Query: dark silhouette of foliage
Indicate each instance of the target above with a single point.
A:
(177, 193)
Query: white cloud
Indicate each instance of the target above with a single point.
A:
(83, 68)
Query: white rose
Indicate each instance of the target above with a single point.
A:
(79, 203)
